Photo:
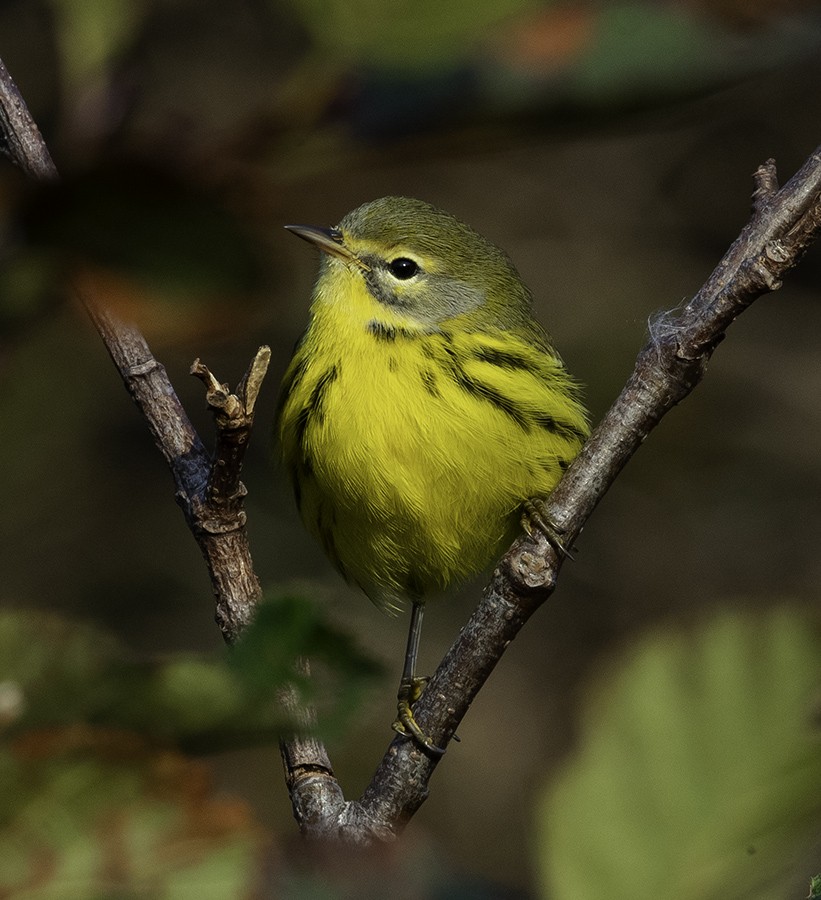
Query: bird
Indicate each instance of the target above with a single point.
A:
(423, 411)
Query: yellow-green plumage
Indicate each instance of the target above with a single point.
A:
(420, 412)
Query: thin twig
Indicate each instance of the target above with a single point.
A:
(234, 417)
(215, 516)
(21, 140)
(766, 184)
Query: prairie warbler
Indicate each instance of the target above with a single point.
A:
(423, 407)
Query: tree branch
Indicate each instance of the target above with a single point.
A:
(784, 223)
(209, 492)
(20, 139)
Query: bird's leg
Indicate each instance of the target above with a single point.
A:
(411, 687)
(534, 518)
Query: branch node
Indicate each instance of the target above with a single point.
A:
(144, 368)
(760, 270)
(533, 570)
(765, 178)
(218, 395)
(223, 525)
(248, 388)
(776, 251)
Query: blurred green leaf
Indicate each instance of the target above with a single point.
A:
(698, 770)
(402, 35)
(60, 669)
(68, 673)
(98, 814)
(649, 49)
(96, 800)
(288, 627)
(93, 33)
(54, 672)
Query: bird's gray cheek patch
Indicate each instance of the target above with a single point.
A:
(438, 297)
(453, 297)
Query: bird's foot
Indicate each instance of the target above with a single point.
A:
(533, 519)
(410, 690)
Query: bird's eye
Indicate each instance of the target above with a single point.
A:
(403, 268)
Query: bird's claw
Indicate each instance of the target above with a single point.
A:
(534, 519)
(410, 689)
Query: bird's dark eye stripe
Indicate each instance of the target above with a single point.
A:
(403, 268)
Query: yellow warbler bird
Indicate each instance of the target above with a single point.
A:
(423, 407)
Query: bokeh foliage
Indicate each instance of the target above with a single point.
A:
(698, 767)
(101, 795)
(607, 146)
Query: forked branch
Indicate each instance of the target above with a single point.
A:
(209, 491)
(784, 223)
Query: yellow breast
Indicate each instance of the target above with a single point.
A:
(411, 451)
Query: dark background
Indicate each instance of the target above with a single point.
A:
(608, 148)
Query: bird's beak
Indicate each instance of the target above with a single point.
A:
(328, 240)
